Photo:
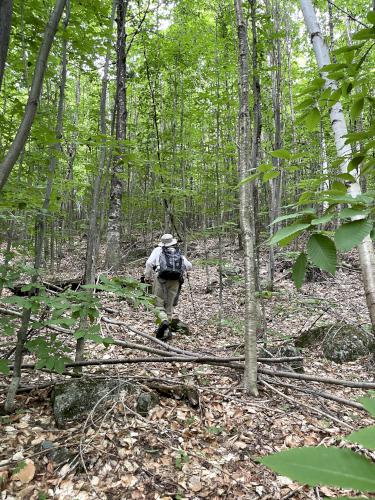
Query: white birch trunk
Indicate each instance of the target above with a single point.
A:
(366, 249)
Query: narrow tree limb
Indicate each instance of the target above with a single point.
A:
(312, 408)
(123, 361)
(313, 378)
(322, 394)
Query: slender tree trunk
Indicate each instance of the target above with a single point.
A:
(366, 249)
(113, 252)
(32, 103)
(6, 10)
(246, 202)
(41, 217)
(93, 229)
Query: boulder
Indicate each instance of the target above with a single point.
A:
(340, 342)
(178, 326)
(145, 402)
(75, 398)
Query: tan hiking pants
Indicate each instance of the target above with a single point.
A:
(166, 292)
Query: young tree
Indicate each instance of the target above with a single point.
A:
(246, 204)
(28, 118)
(6, 8)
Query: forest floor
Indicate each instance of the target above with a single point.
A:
(181, 451)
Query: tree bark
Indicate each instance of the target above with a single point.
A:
(6, 10)
(246, 205)
(366, 249)
(32, 103)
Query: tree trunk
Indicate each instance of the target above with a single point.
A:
(366, 249)
(246, 202)
(6, 10)
(93, 229)
(32, 103)
(113, 252)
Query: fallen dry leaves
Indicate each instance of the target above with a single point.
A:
(183, 452)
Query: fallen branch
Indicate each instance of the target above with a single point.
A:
(312, 408)
(322, 394)
(313, 378)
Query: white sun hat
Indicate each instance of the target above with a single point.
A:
(167, 240)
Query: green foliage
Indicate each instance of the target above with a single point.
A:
(299, 270)
(350, 234)
(332, 466)
(322, 252)
(181, 459)
(324, 466)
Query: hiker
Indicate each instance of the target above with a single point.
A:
(165, 268)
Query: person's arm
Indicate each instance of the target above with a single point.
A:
(151, 263)
(188, 265)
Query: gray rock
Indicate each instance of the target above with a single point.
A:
(74, 399)
(146, 401)
(178, 326)
(340, 342)
(230, 271)
(57, 455)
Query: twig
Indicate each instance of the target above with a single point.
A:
(322, 394)
(312, 408)
(313, 378)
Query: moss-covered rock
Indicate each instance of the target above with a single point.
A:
(74, 399)
(340, 342)
(178, 326)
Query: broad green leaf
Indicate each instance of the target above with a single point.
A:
(323, 219)
(352, 234)
(299, 270)
(322, 252)
(347, 213)
(281, 153)
(356, 108)
(354, 162)
(371, 16)
(312, 120)
(369, 404)
(286, 217)
(365, 437)
(4, 366)
(247, 179)
(270, 175)
(333, 67)
(285, 232)
(348, 48)
(264, 167)
(346, 177)
(365, 34)
(325, 466)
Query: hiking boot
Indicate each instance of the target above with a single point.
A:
(163, 330)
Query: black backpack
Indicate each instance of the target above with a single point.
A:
(170, 264)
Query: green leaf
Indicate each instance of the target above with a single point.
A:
(351, 234)
(354, 162)
(365, 34)
(356, 108)
(312, 120)
(369, 404)
(282, 153)
(285, 232)
(323, 219)
(270, 175)
(299, 270)
(4, 366)
(365, 437)
(371, 16)
(348, 213)
(286, 217)
(328, 466)
(247, 179)
(322, 252)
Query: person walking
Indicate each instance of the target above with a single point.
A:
(165, 268)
